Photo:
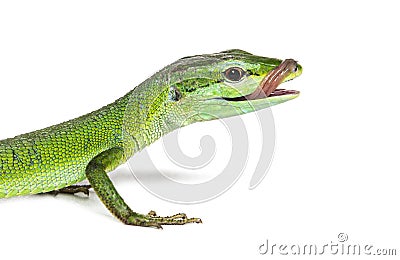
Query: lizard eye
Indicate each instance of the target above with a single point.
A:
(234, 74)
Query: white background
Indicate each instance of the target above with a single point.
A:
(335, 167)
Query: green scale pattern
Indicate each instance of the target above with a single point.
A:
(56, 157)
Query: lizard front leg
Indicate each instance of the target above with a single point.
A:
(96, 173)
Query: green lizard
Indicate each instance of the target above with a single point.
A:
(192, 89)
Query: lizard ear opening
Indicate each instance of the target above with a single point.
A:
(174, 94)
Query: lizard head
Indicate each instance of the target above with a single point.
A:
(229, 83)
(205, 87)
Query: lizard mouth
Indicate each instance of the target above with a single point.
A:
(269, 85)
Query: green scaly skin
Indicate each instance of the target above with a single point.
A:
(187, 91)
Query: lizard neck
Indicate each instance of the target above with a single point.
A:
(147, 115)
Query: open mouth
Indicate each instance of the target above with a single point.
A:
(269, 85)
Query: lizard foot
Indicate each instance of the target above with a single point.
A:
(152, 220)
(74, 189)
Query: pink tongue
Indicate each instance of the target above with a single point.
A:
(273, 79)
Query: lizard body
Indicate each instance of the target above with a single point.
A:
(192, 89)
